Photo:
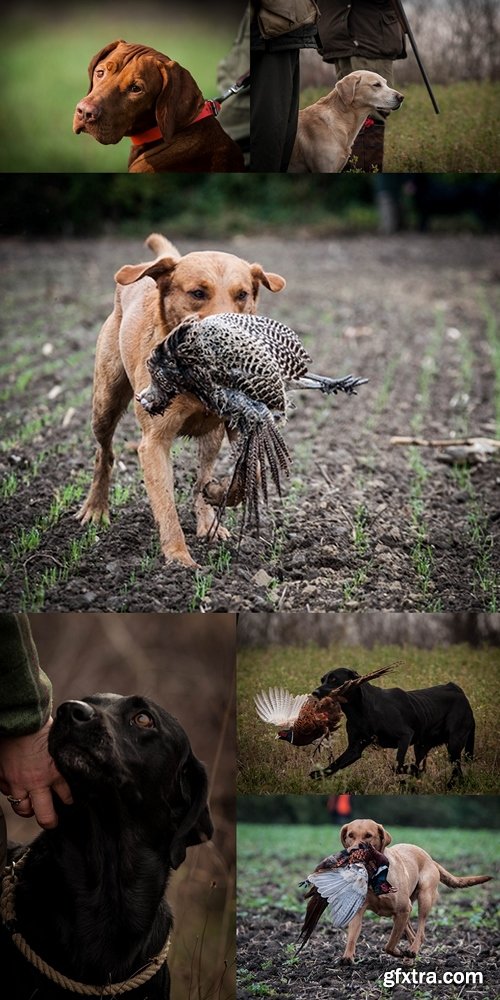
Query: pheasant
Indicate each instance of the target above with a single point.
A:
(302, 719)
(341, 881)
(241, 367)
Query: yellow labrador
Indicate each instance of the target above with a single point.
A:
(328, 128)
(416, 877)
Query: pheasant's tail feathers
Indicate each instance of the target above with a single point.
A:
(356, 681)
(278, 707)
(315, 907)
(263, 450)
(376, 673)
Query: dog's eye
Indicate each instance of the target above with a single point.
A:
(242, 296)
(135, 88)
(143, 720)
(99, 73)
(377, 84)
(198, 293)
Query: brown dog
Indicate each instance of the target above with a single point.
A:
(327, 129)
(414, 874)
(137, 91)
(203, 283)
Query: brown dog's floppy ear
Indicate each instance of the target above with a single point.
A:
(180, 99)
(193, 816)
(274, 282)
(134, 272)
(343, 833)
(346, 87)
(385, 838)
(101, 55)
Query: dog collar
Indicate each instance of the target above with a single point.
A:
(210, 109)
(8, 917)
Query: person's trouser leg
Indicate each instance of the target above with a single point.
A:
(274, 109)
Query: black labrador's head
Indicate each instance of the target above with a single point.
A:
(127, 757)
(333, 680)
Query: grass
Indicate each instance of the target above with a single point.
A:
(462, 138)
(486, 576)
(270, 766)
(38, 586)
(45, 63)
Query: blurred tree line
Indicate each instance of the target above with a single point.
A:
(220, 205)
(93, 204)
(463, 811)
(368, 629)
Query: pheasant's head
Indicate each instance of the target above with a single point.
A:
(285, 734)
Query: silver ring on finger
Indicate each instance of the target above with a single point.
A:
(17, 802)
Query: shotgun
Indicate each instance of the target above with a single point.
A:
(397, 4)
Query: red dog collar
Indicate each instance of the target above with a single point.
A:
(210, 109)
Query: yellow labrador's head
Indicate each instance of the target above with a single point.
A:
(203, 283)
(365, 831)
(363, 89)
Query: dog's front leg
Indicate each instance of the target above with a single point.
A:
(156, 461)
(353, 932)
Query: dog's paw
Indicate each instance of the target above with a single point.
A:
(348, 962)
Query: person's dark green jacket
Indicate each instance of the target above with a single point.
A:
(367, 28)
(25, 691)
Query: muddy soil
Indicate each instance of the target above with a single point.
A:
(267, 965)
(364, 524)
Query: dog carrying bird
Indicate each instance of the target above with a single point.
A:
(241, 367)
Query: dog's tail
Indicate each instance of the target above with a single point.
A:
(460, 881)
(162, 247)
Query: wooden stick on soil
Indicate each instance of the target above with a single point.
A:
(445, 442)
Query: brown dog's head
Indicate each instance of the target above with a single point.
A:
(134, 88)
(203, 283)
(365, 831)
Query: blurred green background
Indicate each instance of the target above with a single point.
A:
(46, 49)
(221, 205)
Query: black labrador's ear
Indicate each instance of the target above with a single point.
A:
(193, 816)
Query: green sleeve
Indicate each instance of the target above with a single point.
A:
(25, 691)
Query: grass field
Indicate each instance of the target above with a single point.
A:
(270, 766)
(45, 63)
(464, 137)
(362, 525)
(274, 858)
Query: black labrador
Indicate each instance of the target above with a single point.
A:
(89, 896)
(424, 719)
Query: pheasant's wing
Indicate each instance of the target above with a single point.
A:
(280, 341)
(344, 888)
(278, 707)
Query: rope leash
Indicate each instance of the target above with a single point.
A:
(8, 916)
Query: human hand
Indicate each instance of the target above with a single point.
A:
(29, 774)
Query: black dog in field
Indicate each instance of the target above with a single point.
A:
(424, 719)
(88, 896)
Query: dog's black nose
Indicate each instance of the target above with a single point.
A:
(77, 712)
